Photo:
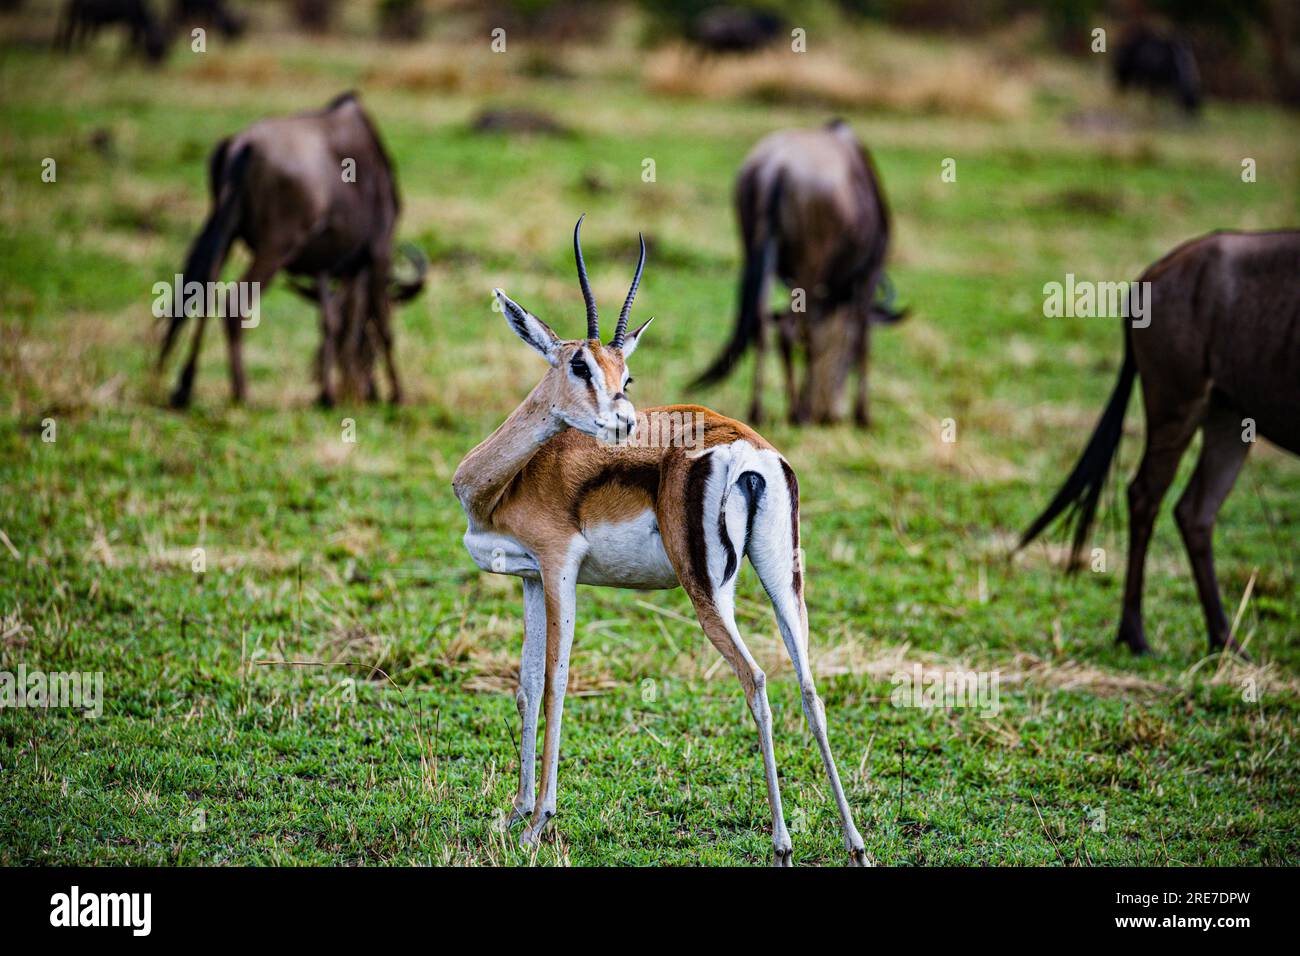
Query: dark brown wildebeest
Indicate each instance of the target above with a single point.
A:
(811, 211)
(313, 195)
(83, 19)
(1160, 63)
(734, 29)
(216, 13)
(1221, 353)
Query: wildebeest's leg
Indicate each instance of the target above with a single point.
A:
(862, 353)
(234, 345)
(343, 341)
(356, 361)
(532, 683)
(329, 333)
(802, 333)
(1221, 458)
(180, 397)
(760, 358)
(258, 275)
(831, 339)
(1168, 434)
(786, 331)
(382, 311)
(805, 326)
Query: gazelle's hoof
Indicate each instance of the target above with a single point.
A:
(532, 835)
(782, 856)
(515, 816)
(858, 857)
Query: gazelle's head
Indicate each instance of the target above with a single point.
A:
(587, 382)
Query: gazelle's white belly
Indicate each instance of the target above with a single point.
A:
(627, 554)
(620, 554)
(501, 554)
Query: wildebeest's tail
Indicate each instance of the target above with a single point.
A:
(1082, 489)
(760, 260)
(203, 264)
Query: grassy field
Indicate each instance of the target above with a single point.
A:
(322, 550)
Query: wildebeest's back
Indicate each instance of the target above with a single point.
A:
(827, 210)
(1225, 313)
(296, 167)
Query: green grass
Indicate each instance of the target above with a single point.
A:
(319, 550)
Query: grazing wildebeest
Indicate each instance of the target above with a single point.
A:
(313, 195)
(83, 19)
(217, 13)
(734, 29)
(811, 210)
(1159, 63)
(1222, 354)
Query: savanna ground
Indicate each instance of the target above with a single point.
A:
(323, 550)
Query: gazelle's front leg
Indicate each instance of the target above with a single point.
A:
(560, 583)
(532, 677)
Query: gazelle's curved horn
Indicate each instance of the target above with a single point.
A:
(621, 329)
(593, 323)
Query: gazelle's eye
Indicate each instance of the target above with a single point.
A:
(628, 383)
(580, 368)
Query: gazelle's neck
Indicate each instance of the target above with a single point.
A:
(487, 471)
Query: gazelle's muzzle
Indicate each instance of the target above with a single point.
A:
(617, 425)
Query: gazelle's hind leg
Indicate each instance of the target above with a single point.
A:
(716, 611)
(706, 565)
(773, 550)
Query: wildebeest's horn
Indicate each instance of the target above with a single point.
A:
(621, 329)
(593, 323)
(405, 290)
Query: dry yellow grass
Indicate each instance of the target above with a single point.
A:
(963, 84)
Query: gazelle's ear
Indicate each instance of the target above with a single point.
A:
(530, 328)
(630, 343)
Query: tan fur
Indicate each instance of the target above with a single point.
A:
(537, 507)
(555, 493)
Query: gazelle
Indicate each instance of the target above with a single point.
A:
(563, 494)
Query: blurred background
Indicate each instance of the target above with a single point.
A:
(639, 115)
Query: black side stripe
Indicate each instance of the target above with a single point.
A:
(635, 475)
(726, 541)
(697, 482)
(751, 485)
